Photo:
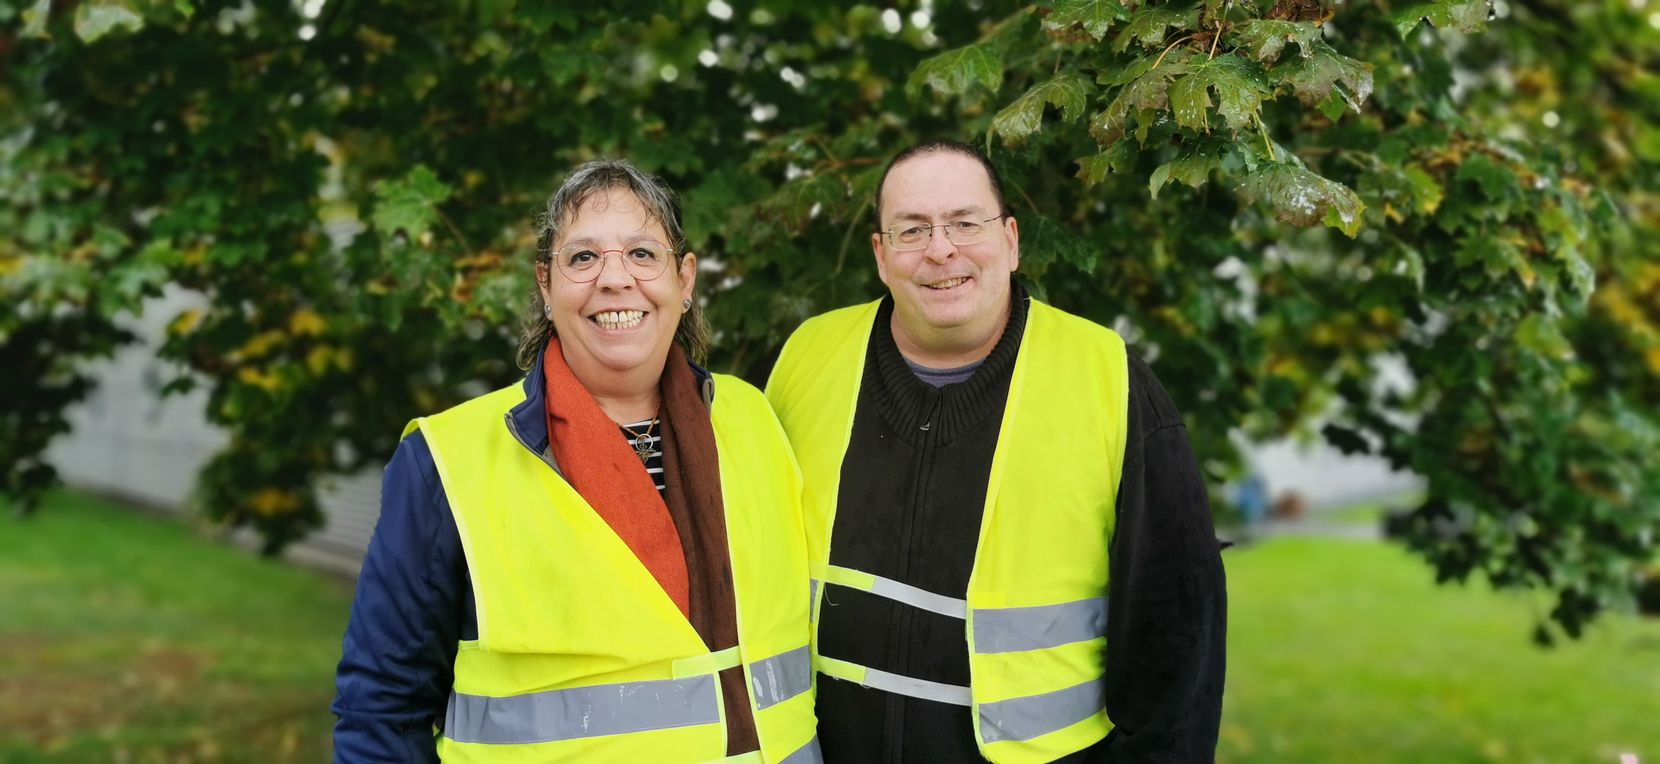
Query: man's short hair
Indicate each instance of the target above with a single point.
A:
(954, 147)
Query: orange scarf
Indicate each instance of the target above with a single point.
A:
(598, 463)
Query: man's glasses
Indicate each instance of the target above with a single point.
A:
(909, 237)
(644, 260)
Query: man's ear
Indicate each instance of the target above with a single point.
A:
(877, 249)
(1011, 233)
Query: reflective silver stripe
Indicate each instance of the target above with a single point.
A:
(579, 712)
(1034, 715)
(938, 692)
(781, 677)
(919, 598)
(807, 754)
(1015, 629)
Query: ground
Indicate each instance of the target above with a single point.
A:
(130, 637)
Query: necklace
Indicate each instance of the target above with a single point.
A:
(642, 448)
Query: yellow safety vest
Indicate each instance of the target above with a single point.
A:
(581, 655)
(1035, 615)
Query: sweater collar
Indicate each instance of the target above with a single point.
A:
(906, 401)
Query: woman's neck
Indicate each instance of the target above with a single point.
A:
(628, 408)
(625, 396)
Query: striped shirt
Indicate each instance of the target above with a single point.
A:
(654, 462)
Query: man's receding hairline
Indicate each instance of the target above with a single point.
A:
(934, 151)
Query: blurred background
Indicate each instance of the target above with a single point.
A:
(1396, 262)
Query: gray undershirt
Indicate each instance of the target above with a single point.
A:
(943, 377)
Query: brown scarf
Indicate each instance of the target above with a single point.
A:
(680, 535)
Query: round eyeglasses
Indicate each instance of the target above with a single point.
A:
(582, 262)
(909, 237)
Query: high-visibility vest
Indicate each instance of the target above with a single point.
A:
(581, 656)
(1036, 611)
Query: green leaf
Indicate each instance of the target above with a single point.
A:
(1300, 197)
(1043, 241)
(1192, 169)
(1094, 17)
(1148, 92)
(34, 19)
(1427, 192)
(1543, 335)
(409, 204)
(1070, 94)
(1265, 39)
(1147, 27)
(1118, 159)
(1190, 102)
(1497, 182)
(1094, 169)
(1240, 88)
(1315, 77)
(186, 8)
(956, 72)
(94, 20)
(1461, 15)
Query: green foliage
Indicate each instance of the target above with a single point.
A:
(1273, 197)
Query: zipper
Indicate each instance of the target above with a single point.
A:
(922, 470)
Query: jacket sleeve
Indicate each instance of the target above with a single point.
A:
(1167, 598)
(398, 657)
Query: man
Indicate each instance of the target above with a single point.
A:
(1012, 551)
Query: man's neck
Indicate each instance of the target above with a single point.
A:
(950, 348)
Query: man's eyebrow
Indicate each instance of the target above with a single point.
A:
(952, 215)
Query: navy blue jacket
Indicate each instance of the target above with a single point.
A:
(414, 602)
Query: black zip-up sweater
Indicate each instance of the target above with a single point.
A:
(913, 485)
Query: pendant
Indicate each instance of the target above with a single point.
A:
(642, 449)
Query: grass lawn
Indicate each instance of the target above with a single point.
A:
(1345, 651)
(124, 637)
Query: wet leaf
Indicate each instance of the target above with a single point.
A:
(1459, 15)
(1191, 169)
(1315, 77)
(1094, 17)
(1020, 119)
(1265, 39)
(957, 72)
(1300, 197)
(1147, 27)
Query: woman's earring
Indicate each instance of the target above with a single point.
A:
(686, 305)
(547, 312)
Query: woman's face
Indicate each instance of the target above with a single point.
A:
(614, 323)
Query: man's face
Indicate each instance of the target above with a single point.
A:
(944, 286)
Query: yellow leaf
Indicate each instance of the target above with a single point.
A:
(184, 323)
(261, 344)
(306, 323)
(1653, 357)
(319, 360)
(269, 502)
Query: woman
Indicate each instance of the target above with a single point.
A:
(603, 563)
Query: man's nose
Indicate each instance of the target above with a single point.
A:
(939, 247)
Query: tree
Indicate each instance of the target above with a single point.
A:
(1269, 197)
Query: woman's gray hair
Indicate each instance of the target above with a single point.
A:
(596, 177)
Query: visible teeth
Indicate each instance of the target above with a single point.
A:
(619, 319)
(948, 283)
